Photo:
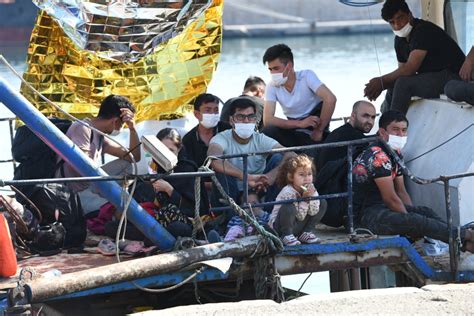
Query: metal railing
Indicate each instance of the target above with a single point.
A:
(454, 256)
(348, 194)
(453, 244)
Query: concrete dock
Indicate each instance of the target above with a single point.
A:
(429, 300)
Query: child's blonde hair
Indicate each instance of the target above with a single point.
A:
(288, 169)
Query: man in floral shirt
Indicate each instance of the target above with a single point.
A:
(381, 202)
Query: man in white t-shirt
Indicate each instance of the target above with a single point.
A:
(306, 102)
(243, 139)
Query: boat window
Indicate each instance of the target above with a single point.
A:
(459, 22)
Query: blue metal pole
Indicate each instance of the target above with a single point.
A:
(65, 148)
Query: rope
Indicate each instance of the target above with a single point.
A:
(274, 243)
(167, 289)
(372, 31)
(267, 280)
(302, 284)
(443, 143)
(197, 223)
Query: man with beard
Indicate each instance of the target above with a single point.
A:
(361, 122)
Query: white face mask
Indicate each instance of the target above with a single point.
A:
(244, 130)
(278, 79)
(404, 31)
(397, 142)
(210, 120)
(115, 132)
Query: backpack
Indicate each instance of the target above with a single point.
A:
(37, 160)
(59, 206)
(332, 178)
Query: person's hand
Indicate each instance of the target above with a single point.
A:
(311, 121)
(466, 70)
(373, 88)
(317, 135)
(310, 190)
(128, 117)
(163, 186)
(258, 181)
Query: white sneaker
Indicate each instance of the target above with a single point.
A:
(290, 240)
(309, 238)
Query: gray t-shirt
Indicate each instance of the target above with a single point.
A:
(258, 142)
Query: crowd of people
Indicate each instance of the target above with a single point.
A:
(430, 63)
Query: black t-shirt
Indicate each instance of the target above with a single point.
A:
(344, 133)
(442, 51)
(371, 164)
(196, 149)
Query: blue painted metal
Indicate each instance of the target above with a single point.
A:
(64, 147)
(164, 280)
(3, 305)
(395, 242)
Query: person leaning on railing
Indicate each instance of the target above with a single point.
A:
(243, 139)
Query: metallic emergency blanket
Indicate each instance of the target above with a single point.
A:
(167, 61)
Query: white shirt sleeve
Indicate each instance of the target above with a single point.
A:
(312, 80)
(270, 93)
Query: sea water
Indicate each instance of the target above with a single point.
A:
(344, 63)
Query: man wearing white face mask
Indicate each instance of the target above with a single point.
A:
(306, 102)
(381, 202)
(196, 141)
(114, 112)
(427, 59)
(243, 139)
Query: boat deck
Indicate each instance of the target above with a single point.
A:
(337, 250)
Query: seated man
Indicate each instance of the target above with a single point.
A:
(306, 102)
(254, 89)
(381, 202)
(196, 141)
(427, 58)
(113, 113)
(242, 139)
(361, 121)
(463, 91)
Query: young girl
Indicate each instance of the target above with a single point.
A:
(298, 218)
